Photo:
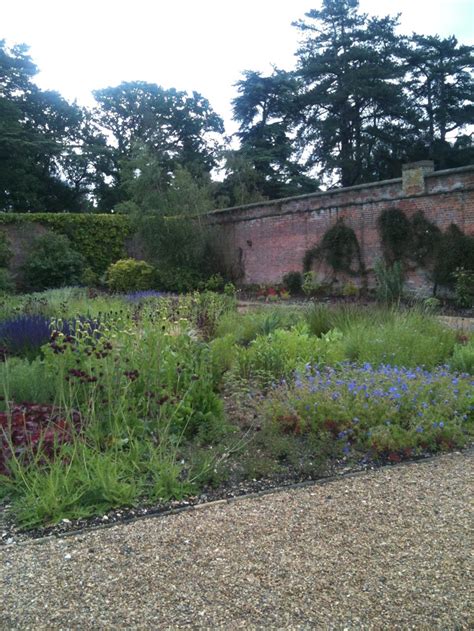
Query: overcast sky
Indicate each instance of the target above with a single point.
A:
(202, 45)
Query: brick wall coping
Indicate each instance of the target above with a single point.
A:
(337, 191)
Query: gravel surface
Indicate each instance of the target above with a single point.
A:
(381, 550)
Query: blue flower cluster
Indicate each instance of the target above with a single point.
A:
(384, 408)
(378, 382)
(136, 297)
(25, 334)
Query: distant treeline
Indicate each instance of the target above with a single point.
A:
(361, 101)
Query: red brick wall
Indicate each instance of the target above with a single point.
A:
(262, 242)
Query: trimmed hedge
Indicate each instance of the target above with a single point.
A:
(99, 238)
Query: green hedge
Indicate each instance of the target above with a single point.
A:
(99, 238)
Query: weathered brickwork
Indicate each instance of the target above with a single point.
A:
(262, 242)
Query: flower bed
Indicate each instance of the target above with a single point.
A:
(383, 411)
(135, 400)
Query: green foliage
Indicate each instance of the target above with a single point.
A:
(153, 423)
(462, 359)
(100, 239)
(89, 278)
(431, 305)
(424, 240)
(213, 283)
(278, 354)
(310, 285)
(319, 319)
(51, 262)
(350, 290)
(395, 232)
(464, 288)
(177, 239)
(293, 281)
(230, 290)
(26, 380)
(52, 154)
(456, 250)
(408, 338)
(6, 282)
(130, 275)
(389, 280)
(144, 387)
(339, 248)
(245, 327)
(377, 412)
(5, 251)
(266, 162)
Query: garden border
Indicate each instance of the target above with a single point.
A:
(157, 513)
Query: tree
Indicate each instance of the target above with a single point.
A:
(351, 105)
(265, 109)
(441, 90)
(50, 155)
(177, 130)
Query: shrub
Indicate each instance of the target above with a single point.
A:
(275, 356)
(230, 290)
(293, 281)
(52, 263)
(399, 338)
(178, 279)
(130, 275)
(350, 290)
(213, 283)
(89, 278)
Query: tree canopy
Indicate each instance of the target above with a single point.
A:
(361, 100)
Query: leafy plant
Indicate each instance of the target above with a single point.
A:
(293, 281)
(310, 285)
(464, 288)
(89, 278)
(130, 275)
(51, 262)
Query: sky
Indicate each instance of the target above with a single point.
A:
(201, 45)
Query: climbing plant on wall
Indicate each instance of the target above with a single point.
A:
(339, 248)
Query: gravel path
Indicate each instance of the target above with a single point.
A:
(389, 549)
